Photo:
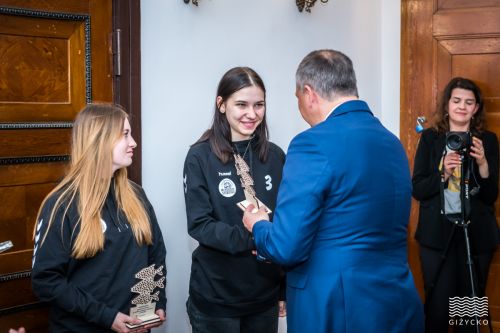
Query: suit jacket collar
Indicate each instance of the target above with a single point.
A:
(350, 106)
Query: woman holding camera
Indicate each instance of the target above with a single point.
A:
(437, 176)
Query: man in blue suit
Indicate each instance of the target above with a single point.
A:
(340, 226)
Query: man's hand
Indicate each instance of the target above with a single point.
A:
(249, 218)
(120, 327)
(20, 330)
(282, 306)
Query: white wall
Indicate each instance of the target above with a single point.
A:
(185, 51)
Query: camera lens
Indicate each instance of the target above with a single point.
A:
(454, 142)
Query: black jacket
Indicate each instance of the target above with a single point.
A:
(226, 278)
(433, 229)
(86, 295)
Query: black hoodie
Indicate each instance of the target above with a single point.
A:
(86, 294)
(226, 278)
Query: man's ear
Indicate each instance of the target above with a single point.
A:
(310, 94)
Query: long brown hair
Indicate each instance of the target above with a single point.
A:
(440, 121)
(96, 130)
(219, 134)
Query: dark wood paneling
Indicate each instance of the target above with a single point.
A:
(36, 142)
(16, 292)
(14, 261)
(22, 174)
(33, 320)
(20, 205)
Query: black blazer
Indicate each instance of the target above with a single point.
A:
(433, 229)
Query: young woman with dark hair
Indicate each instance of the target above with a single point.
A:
(436, 184)
(233, 162)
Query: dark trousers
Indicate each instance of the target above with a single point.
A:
(262, 322)
(452, 281)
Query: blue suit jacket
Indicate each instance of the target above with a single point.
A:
(340, 227)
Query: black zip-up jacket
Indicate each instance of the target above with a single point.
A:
(86, 295)
(433, 229)
(227, 280)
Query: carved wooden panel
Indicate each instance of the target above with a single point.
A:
(54, 58)
(31, 142)
(455, 4)
(442, 39)
(44, 61)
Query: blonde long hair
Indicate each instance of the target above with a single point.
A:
(96, 130)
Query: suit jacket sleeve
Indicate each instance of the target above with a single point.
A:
(287, 241)
(202, 225)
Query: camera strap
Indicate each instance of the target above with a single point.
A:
(463, 216)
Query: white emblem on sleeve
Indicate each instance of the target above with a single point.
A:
(227, 187)
(104, 226)
(269, 184)
(37, 238)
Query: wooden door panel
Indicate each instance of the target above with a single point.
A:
(44, 62)
(454, 4)
(485, 68)
(35, 142)
(17, 292)
(34, 319)
(470, 46)
(21, 203)
(55, 57)
(442, 39)
(470, 21)
(34, 172)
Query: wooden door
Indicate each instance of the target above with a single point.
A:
(54, 58)
(442, 39)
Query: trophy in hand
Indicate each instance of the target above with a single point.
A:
(145, 309)
(243, 170)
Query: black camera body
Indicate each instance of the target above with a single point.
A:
(459, 141)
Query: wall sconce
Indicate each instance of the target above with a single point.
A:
(301, 4)
(307, 4)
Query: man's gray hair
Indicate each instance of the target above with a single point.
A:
(330, 73)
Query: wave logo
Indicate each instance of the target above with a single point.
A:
(468, 306)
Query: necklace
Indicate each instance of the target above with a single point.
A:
(246, 149)
(247, 183)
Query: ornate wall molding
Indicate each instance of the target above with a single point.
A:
(34, 159)
(48, 125)
(15, 276)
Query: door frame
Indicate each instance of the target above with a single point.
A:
(127, 71)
